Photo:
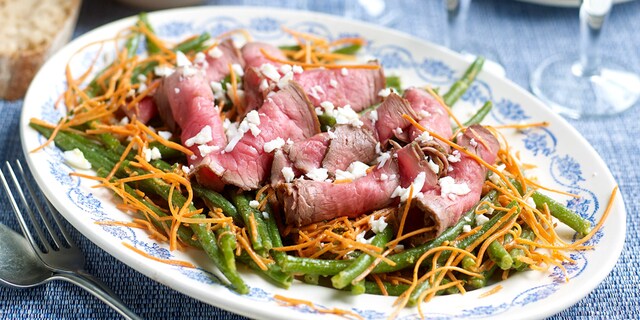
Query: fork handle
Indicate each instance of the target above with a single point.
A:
(99, 292)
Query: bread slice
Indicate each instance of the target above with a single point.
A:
(30, 31)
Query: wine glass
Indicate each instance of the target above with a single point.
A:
(587, 85)
(456, 39)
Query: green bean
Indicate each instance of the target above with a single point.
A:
(460, 87)
(499, 255)
(260, 239)
(480, 115)
(559, 211)
(360, 264)
(392, 289)
(273, 273)
(478, 283)
(196, 44)
(152, 46)
(394, 82)
(469, 264)
(326, 121)
(274, 234)
(219, 201)
(290, 48)
(515, 253)
(348, 50)
(314, 266)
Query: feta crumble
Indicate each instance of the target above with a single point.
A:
(333, 83)
(206, 149)
(215, 53)
(454, 156)
(274, 144)
(418, 184)
(384, 92)
(355, 170)
(344, 72)
(182, 60)
(377, 225)
(237, 69)
(269, 71)
(287, 173)
(318, 174)
(433, 166)
(473, 142)
(165, 134)
(76, 159)
(449, 188)
(202, 137)
(254, 204)
(163, 71)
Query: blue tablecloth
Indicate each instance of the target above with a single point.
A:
(523, 34)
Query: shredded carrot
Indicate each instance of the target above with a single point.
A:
(492, 291)
(296, 302)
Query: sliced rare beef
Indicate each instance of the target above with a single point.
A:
(349, 144)
(144, 111)
(390, 122)
(308, 201)
(355, 87)
(308, 154)
(411, 162)
(443, 205)
(286, 115)
(429, 113)
(185, 101)
(219, 59)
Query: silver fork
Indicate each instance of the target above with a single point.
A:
(61, 255)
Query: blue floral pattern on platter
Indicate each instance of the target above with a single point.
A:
(541, 143)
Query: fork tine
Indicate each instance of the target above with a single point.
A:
(16, 209)
(40, 209)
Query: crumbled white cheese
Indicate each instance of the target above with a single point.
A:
(466, 228)
(333, 83)
(377, 225)
(378, 148)
(397, 131)
(289, 142)
(481, 219)
(433, 166)
(495, 179)
(501, 167)
(384, 92)
(287, 173)
(142, 88)
(285, 68)
(360, 238)
(249, 123)
(373, 115)
(151, 154)
(215, 52)
(473, 142)
(206, 149)
(531, 203)
(383, 158)
(418, 184)
(218, 91)
(344, 72)
(124, 121)
(176, 90)
(318, 174)
(297, 69)
(165, 134)
(76, 159)
(327, 106)
(189, 71)
(182, 60)
(454, 156)
(237, 69)
(204, 136)
(141, 78)
(253, 119)
(423, 114)
(265, 214)
(264, 85)
(331, 134)
(398, 248)
(384, 177)
(424, 137)
(449, 188)
(163, 71)
(355, 170)
(269, 71)
(254, 204)
(200, 58)
(284, 81)
(316, 91)
(346, 115)
(274, 144)
(186, 170)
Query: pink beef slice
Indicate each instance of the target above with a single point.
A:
(390, 118)
(411, 162)
(253, 57)
(429, 113)
(349, 144)
(287, 115)
(218, 68)
(355, 87)
(308, 154)
(308, 201)
(186, 102)
(144, 111)
(445, 211)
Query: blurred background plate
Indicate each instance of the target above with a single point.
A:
(564, 3)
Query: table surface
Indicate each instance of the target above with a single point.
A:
(523, 34)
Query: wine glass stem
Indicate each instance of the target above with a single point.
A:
(456, 22)
(593, 14)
